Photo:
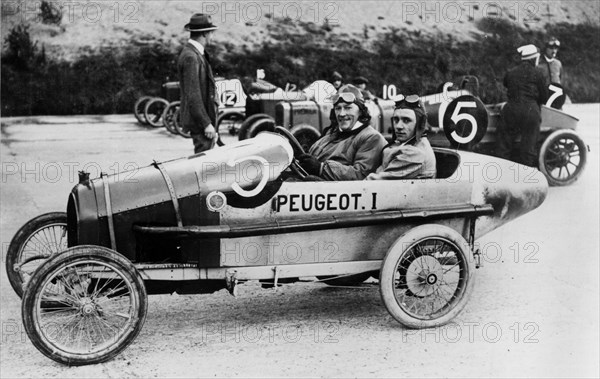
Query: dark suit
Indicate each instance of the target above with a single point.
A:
(197, 86)
(522, 113)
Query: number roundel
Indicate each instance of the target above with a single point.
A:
(229, 98)
(556, 97)
(465, 121)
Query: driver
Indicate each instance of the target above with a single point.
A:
(410, 155)
(350, 148)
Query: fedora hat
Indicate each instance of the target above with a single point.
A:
(200, 22)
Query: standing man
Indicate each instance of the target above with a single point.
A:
(549, 66)
(526, 91)
(197, 85)
(552, 70)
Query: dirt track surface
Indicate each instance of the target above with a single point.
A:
(534, 310)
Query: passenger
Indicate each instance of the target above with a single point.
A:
(410, 155)
(361, 83)
(350, 148)
(336, 80)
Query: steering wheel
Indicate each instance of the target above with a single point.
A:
(298, 151)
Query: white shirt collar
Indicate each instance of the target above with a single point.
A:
(356, 125)
(197, 45)
(548, 59)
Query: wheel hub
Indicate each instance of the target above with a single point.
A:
(423, 275)
(87, 306)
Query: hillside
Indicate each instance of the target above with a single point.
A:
(90, 24)
(99, 57)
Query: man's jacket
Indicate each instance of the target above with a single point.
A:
(349, 155)
(198, 107)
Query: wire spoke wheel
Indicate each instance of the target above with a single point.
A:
(39, 239)
(84, 306)
(426, 277)
(562, 157)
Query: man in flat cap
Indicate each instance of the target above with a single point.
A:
(197, 85)
(526, 91)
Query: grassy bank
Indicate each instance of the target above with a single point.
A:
(110, 80)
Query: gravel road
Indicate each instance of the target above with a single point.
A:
(534, 310)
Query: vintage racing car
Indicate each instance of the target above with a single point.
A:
(164, 110)
(246, 211)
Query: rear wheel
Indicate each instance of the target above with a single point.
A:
(426, 276)
(266, 124)
(562, 157)
(169, 116)
(84, 306)
(39, 239)
(139, 107)
(154, 110)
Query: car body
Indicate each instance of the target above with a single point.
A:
(237, 213)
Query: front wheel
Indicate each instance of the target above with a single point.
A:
(39, 239)
(426, 276)
(562, 157)
(154, 110)
(139, 107)
(84, 306)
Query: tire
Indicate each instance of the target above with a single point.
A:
(179, 126)
(345, 281)
(266, 124)
(306, 135)
(139, 107)
(84, 306)
(43, 236)
(244, 129)
(562, 151)
(232, 121)
(154, 110)
(426, 276)
(169, 116)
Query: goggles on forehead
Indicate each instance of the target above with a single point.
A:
(346, 97)
(410, 101)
